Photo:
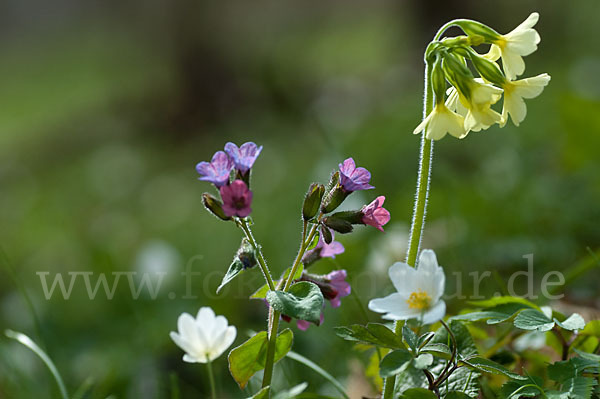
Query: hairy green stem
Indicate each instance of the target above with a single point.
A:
(422, 194)
(261, 259)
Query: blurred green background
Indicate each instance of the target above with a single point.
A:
(107, 106)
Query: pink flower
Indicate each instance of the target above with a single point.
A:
(353, 178)
(337, 280)
(217, 170)
(323, 250)
(303, 324)
(375, 214)
(236, 199)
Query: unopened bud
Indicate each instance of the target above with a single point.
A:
(340, 225)
(214, 206)
(474, 28)
(246, 254)
(334, 198)
(352, 217)
(326, 234)
(312, 201)
(488, 70)
(438, 81)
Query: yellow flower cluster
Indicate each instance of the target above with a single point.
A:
(467, 104)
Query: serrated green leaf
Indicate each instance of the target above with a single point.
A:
(579, 387)
(410, 338)
(394, 363)
(574, 322)
(533, 320)
(372, 333)
(423, 361)
(303, 301)
(251, 356)
(418, 393)
(439, 350)
(489, 366)
(494, 315)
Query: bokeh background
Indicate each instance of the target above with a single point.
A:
(107, 106)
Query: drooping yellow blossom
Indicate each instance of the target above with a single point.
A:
(475, 105)
(441, 121)
(516, 91)
(521, 41)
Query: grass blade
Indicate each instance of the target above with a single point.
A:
(315, 367)
(28, 342)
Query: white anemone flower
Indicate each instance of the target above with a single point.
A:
(513, 46)
(441, 121)
(203, 338)
(419, 291)
(516, 91)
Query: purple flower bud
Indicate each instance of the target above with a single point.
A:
(353, 178)
(236, 199)
(244, 156)
(375, 214)
(217, 170)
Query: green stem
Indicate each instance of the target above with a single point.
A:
(422, 194)
(305, 243)
(271, 346)
(211, 379)
(261, 259)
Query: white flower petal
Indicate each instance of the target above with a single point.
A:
(206, 318)
(436, 313)
(190, 359)
(223, 342)
(531, 87)
(403, 277)
(181, 342)
(388, 303)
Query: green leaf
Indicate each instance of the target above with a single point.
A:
(425, 338)
(316, 368)
(395, 362)
(251, 356)
(574, 322)
(456, 395)
(494, 315)
(245, 258)
(418, 393)
(489, 366)
(235, 268)
(579, 387)
(591, 329)
(372, 334)
(410, 378)
(439, 350)
(531, 319)
(262, 394)
(410, 338)
(503, 300)
(423, 361)
(303, 301)
(465, 344)
(29, 343)
(522, 389)
(261, 293)
(292, 392)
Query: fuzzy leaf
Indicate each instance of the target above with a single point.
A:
(251, 356)
(418, 393)
(574, 322)
(410, 338)
(395, 362)
(531, 319)
(423, 361)
(303, 301)
(489, 366)
(522, 389)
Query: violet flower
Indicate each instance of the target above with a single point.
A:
(303, 324)
(375, 214)
(236, 199)
(337, 280)
(353, 178)
(244, 156)
(217, 170)
(323, 250)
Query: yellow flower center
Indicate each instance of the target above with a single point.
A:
(419, 300)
